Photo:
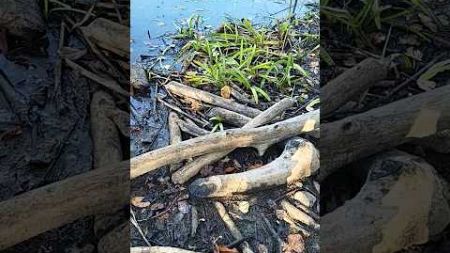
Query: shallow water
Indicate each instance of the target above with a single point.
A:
(162, 16)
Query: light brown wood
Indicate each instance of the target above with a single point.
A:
(174, 135)
(352, 82)
(402, 203)
(362, 135)
(299, 160)
(206, 97)
(188, 126)
(95, 192)
(229, 139)
(193, 168)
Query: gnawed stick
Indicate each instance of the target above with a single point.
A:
(299, 215)
(206, 97)
(402, 203)
(229, 223)
(159, 249)
(107, 149)
(226, 140)
(230, 117)
(352, 82)
(358, 136)
(299, 160)
(174, 135)
(193, 168)
(188, 126)
(95, 192)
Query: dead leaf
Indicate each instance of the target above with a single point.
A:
(426, 84)
(195, 104)
(225, 92)
(138, 201)
(224, 249)
(255, 165)
(295, 244)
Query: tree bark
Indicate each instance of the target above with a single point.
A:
(365, 134)
(352, 82)
(206, 97)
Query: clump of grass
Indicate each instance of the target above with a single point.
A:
(190, 29)
(257, 59)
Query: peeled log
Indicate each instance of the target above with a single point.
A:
(99, 191)
(299, 160)
(352, 82)
(206, 97)
(192, 168)
(227, 116)
(358, 136)
(225, 140)
(402, 203)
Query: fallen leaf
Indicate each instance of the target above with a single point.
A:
(229, 169)
(138, 201)
(426, 84)
(195, 104)
(225, 92)
(255, 165)
(295, 244)
(224, 249)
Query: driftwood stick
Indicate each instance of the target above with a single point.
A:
(229, 223)
(402, 203)
(95, 192)
(352, 82)
(188, 126)
(230, 117)
(299, 215)
(299, 160)
(193, 168)
(159, 249)
(174, 135)
(206, 97)
(365, 134)
(226, 140)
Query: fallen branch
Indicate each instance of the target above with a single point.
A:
(299, 160)
(299, 215)
(352, 82)
(227, 116)
(383, 216)
(95, 192)
(226, 140)
(193, 168)
(229, 223)
(174, 135)
(206, 97)
(365, 134)
(188, 126)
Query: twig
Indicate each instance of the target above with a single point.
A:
(136, 225)
(273, 233)
(175, 108)
(417, 74)
(58, 66)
